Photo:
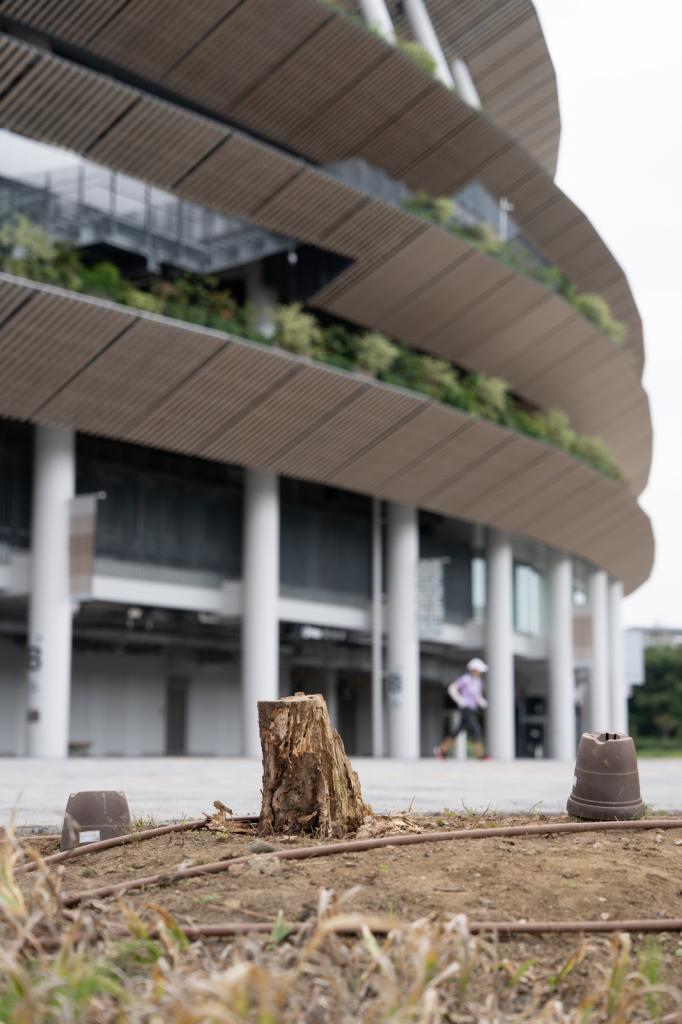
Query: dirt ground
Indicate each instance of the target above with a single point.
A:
(591, 876)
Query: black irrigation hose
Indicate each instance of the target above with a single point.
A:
(360, 845)
(129, 837)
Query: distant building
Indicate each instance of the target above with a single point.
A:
(192, 520)
(637, 639)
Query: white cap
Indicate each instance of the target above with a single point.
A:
(477, 665)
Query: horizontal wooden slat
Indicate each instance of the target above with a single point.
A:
(427, 288)
(304, 76)
(45, 343)
(95, 367)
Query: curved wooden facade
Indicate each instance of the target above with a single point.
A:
(408, 278)
(105, 369)
(302, 75)
(138, 87)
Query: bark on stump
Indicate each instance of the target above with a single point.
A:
(308, 782)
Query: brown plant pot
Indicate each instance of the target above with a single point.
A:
(606, 783)
(93, 815)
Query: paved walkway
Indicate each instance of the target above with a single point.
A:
(172, 788)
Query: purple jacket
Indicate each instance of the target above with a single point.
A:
(470, 690)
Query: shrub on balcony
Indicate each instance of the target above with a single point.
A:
(484, 238)
(104, 279)
(145, 301)
(440, 380)
(202, 302)
(556, 428)
(418, 54)
(21, 239)
(593, 307)
(491, 395)
(597, 309)
(340, 346)
(375, 353)
(438, 209)
(297, 331)
(407, 371)
(596, 454)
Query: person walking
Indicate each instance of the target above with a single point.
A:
(467, 693)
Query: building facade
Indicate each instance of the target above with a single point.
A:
(194, 518)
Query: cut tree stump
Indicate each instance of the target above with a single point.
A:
(308, 782)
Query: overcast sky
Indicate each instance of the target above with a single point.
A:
(620, 87)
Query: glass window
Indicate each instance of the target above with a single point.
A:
(15, 484)
(478, 588)
(326, 540)
(528, 594)
(163, 509)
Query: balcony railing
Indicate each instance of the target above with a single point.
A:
(90, 206)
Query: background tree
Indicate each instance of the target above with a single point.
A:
(656, 707)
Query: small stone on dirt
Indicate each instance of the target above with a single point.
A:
(264, 866)
(260, 846)
(570, 873)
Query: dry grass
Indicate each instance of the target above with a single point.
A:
(58, 966)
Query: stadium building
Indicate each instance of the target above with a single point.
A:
(311, 404)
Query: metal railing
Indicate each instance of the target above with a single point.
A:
(91, 206)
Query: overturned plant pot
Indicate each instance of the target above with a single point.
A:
(93, 815)
(606, 783)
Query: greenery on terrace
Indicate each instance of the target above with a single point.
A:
(27, 251)
(414, 51)
(442, 211)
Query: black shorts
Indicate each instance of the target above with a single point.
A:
(470, 723)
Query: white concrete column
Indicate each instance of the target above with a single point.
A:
(464, 83)
(263, 300)
(599, 709)
(500, 731)
(619, 693)
(561, 719)
(425, 34)
(331, 696)
(403, 637)
(375, 13)
(50, 607)
(260, 589)
(377, 616)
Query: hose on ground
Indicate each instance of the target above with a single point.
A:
(361, 845)
(379, 927)
(124, 840)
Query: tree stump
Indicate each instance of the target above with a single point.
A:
(308, 782)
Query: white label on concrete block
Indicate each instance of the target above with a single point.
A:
(89, 837)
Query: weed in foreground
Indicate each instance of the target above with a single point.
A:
(111, 964)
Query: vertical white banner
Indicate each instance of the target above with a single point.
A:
(431, 597)
(82, 533)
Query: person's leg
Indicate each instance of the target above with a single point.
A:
(445, 745)
(474, 729)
